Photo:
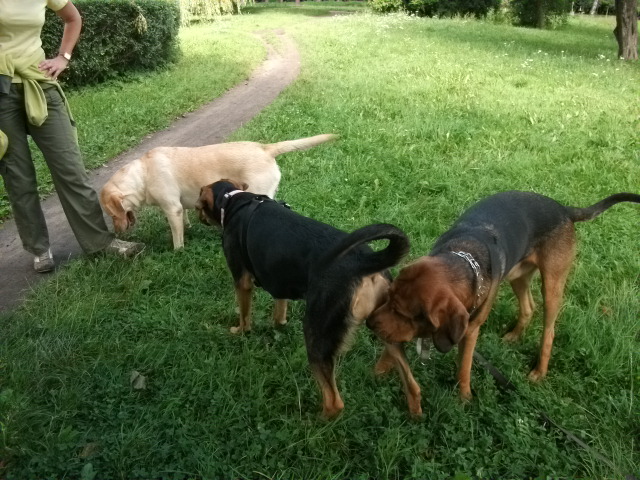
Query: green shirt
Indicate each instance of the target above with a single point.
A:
(21, 24)
(21, 52)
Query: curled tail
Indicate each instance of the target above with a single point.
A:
(583, 214)
(276, 149)
(371, 262)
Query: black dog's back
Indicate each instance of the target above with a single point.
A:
(282, 245)
(513, 222)
(285, 249)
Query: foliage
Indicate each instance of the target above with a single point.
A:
(437, 8)
(433, 116)
(193, 11)
(386, 6)
(541, 13)
(605, 7)
(118, 37)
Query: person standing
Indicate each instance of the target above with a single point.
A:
(33, 103)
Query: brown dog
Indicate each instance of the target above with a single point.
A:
(447, 295)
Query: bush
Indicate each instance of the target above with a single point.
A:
(439, 8)
(386, 6)
(118, 36)
(541, 13)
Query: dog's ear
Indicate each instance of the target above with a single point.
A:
(112, 203)
(131, 217)
(451, 319)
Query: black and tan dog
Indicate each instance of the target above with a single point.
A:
(447, 295)
(294, 257)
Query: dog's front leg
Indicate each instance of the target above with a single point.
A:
(244, 289)
(176, 222)
(185, 215)
(465, 359)
(280, 312)
(395, 352)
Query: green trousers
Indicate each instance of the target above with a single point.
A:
(57, 141)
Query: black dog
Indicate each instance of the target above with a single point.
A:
(294, 257)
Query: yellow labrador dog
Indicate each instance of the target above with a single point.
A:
(171, 178)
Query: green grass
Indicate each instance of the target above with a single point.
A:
(434, 115)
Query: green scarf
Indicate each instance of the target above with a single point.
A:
(4, 143)
(34, 99)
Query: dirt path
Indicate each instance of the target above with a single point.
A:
(213, 123)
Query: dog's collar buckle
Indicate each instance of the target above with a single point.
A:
(475, 266)
(226, 197)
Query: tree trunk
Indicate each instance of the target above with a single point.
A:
(540, 14)
(626, 30)
(594, 7)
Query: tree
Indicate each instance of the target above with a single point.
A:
(626, 31)
(594, 7)
(540, 13)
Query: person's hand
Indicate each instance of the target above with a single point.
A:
(53, 66)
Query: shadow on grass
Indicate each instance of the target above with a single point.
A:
(308, 9)
(575, 39)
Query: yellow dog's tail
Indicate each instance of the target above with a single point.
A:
(279, 148)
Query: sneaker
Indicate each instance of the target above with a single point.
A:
(44, 262)
(126, 249)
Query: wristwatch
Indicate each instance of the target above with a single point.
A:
(66, 55)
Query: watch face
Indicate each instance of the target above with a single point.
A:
(67, 56)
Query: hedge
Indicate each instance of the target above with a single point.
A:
(118, 36)
(439, 8)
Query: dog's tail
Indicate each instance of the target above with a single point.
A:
(370, 262)
(583, 214)
(279, 148)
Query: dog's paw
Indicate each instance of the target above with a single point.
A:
(279, 322)
(329, 412)
(465, 397)
(237, 330)
(382, 368)
(535, 376)
(416, 414)
(511, 337)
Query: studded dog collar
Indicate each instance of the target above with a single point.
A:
(475, 266)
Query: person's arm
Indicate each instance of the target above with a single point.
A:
(72, 26)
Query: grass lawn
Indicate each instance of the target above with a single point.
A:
(433, 115)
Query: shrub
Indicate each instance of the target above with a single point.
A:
(440, 8)
(386, 6)
(118, 36)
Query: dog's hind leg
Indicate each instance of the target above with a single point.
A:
(244, 289)
(322, 350)
(324, 373)
(280, 312)
(555, 263)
